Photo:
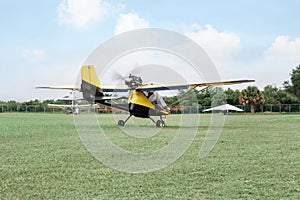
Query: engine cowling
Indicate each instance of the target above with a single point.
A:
(133, 81)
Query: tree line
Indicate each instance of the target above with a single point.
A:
(252, 96)
(21, 106)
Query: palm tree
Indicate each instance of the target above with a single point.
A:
(251, 96)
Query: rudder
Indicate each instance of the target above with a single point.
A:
(89, 75)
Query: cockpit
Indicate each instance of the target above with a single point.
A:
(156, 99)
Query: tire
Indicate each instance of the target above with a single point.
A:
(121, 123)
(160, 123)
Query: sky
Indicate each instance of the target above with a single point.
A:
(46, 42)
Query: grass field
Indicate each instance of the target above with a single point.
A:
(256, 157)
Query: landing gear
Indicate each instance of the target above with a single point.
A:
(122, 122)
(160, 123)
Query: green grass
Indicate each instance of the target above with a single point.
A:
(256, 157)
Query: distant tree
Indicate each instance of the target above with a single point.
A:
(274, 95)
(251, 96)
(271, 94)
(48, 101)
(287, 98)
(204, 97)
(218, 96)
(232, 96)
(182, 98)
(171, 100)
(13, 105)
(293, 87)
(32, 102)
(52, 101)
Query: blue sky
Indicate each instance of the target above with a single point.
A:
(45, 42)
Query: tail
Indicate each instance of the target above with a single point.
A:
(90, 84)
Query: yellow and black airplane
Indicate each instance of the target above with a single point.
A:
(143, 101)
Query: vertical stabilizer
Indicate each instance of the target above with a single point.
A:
(89, 75)
(90, 84)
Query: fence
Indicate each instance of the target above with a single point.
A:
(182, 109)
(280, 108)
(273, 108)
(263, 108)
(30, 108)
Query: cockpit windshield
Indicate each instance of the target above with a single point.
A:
(157, 100)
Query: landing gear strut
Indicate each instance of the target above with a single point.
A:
(158, 123)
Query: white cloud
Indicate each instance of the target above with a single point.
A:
(220, 46)
(31, 55)
(130, 21)
(284, 49)
(82, 13)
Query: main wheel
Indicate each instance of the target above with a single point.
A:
(121, 123)
(160, 123)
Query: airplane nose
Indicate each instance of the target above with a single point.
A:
(127, 81)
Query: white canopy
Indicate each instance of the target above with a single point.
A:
(225, 107)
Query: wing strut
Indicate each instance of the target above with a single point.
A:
(186, 95)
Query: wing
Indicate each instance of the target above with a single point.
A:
(104, 88)
(62, 87)
(155, 87)
(151, 87)
(59, 106)
(72, 106)
(111, 88)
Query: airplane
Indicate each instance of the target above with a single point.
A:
(144, 101)
(73, 108)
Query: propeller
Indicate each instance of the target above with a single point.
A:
(116, 76)
(132, 81)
